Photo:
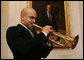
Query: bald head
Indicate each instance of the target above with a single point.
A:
(28, 16)
(26, 11)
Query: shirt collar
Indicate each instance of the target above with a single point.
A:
(23, 25)
(27, 29)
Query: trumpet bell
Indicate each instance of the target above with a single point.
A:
(75, 42)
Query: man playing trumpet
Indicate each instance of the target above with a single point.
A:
(26, 44)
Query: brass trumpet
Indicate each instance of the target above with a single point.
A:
(72, 41)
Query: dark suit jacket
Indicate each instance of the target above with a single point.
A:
(44, 20)
(24, 46)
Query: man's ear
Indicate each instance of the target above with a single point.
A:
(22, 18)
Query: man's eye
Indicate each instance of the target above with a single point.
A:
(31, 18)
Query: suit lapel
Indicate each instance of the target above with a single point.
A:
(24, 30)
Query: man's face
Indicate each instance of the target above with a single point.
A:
(48, 7)
(29, 19)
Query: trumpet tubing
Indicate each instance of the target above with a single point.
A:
(72, 40)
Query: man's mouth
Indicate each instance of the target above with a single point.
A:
(31, 25)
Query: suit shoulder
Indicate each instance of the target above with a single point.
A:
(15, 29)
(11, 28)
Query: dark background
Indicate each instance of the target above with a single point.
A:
(57, 8)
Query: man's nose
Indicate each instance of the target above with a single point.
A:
(34, 20)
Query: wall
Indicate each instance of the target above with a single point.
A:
(76, 22)
(4, 20)
(10, 15)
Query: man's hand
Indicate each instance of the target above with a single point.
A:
(47, 29)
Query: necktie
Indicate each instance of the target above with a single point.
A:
(50, 18)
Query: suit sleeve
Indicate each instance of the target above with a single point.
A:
(46, 50)
(19, 44)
